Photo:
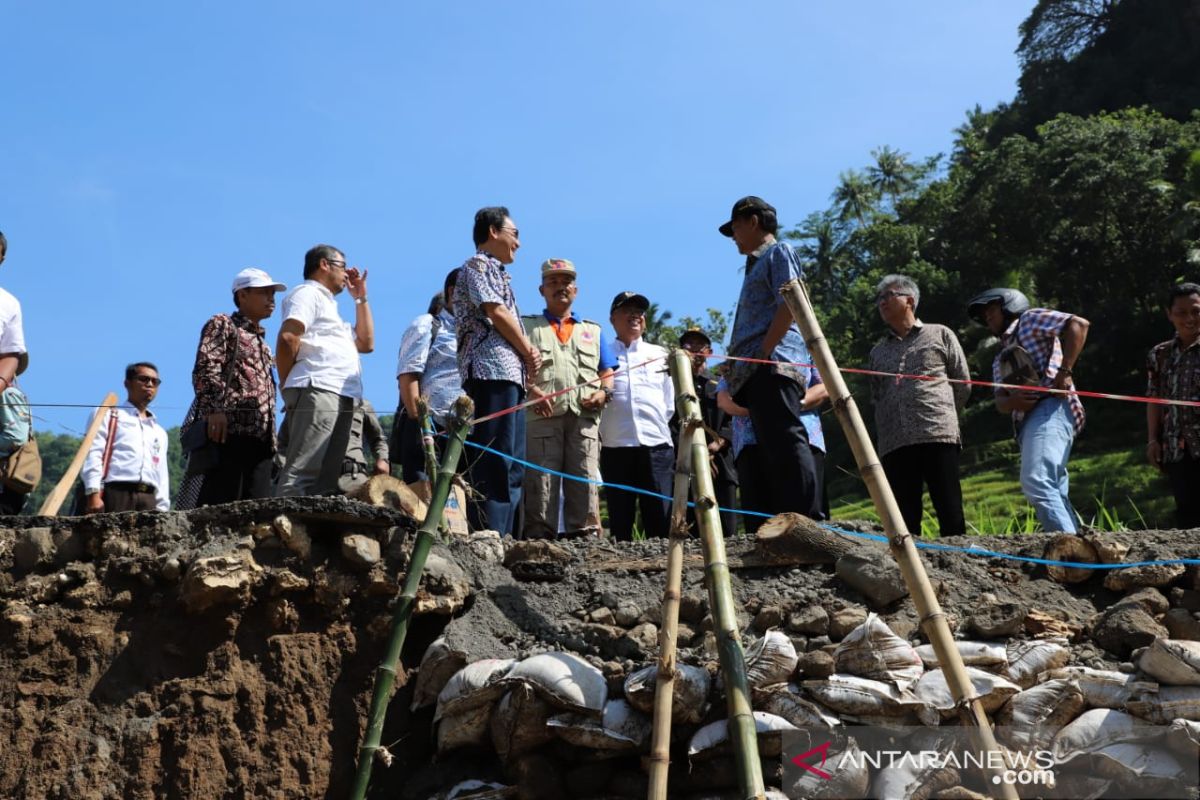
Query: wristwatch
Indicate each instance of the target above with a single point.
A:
(360, 301)
(608, 394)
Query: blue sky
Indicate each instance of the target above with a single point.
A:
(150, 151)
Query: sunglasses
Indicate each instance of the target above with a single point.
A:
(148, 380)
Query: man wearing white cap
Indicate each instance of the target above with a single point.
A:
(235, 400)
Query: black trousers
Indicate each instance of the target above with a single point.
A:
(1185, 485)
(128, 497)
(650, 468)
(498, 479)
(935, 465)
(775, 402)
(407, 449)
(243, 472)
(754, 481)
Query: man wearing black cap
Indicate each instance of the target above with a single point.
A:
(720, 438)
(635, 438)
(764, 329)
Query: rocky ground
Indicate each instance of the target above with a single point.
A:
(229, 652)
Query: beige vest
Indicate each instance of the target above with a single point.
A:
(565, 365)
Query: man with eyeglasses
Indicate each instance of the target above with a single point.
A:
(635, 434)
(916, 421)
(317, 354)
(774, 393)
(495, 360)
(126, 467)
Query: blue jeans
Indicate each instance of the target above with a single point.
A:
(498, 479)
(1046, 436)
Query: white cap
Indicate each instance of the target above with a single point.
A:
(252, 278)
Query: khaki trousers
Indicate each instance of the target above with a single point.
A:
(316, 428)
(569, 444)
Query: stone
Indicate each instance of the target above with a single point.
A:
(486, 546)
(815, 665)
(645, 636)
(627, 615)
(171, 569)
(998, 620)
(34, 548)
(444, 586)
(1125, 627)
(844, 620)
(293, 535)
(811, 620)
(285, 580)
(692, 608)
(539, 551)
(817, 643)
(603, 616)
(1158, 575)
(1180, 623)
(1155, 603)
(361, 551)
(768, 617)
(218, 580)
(684, 635)
(1188, 599)
(1040, 624)
(876, 578)
(902, 625)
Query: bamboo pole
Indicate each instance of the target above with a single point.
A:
(423, 416)
(720, 591)
(664, 685)
(385, 673)
(59, 493)
(900, 541)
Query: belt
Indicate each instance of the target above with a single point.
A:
(145, 488)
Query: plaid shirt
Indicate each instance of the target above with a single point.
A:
(482, 352)
(1037, 331)
(1173, 373)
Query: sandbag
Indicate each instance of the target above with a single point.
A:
(519, 722)
(689, 692)
(1148, 766)
(1167, 704)
(1030, 719)
(771, 659)
(861, 697)
(850, 780)
(786, 700)
(1104, 688)
(1028, 659)
(438, 665)
(1100, 728)
(621, 727)
(993, 691)
(1173, 662)
(1183, 737)
(566, 680)
(479, 790)
(474, 685)
(713, 738)
(466, 727)
(991, 656)
(905, 780)
(873, 651)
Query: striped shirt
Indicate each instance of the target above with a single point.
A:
(1037, 330)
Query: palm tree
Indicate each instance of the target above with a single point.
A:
(892, 174)
(657, 331)
(854, 196)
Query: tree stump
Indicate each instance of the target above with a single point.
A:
(791, 538)
(389, 492)
(1069, 547)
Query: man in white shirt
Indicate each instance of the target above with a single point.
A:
(635, 439)
(126, 467)
(13, 360)
(319, 369)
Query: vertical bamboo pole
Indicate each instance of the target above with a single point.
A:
(664, 685)
(900, 541)
(385, 673)
(720, 591)
(423, 417)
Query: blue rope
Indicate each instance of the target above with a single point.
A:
(972, 550)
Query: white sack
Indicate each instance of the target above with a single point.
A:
(991, 656)
(873, 651)
(473, 685)
(1173, 662)
(620, 728)
(566, 680)
(689, 692)
(714, 737)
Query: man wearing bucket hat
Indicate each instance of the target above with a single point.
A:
(562, 433)
(235, 400)
(1038, 346)
(763, 329)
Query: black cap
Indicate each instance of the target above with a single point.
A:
(744, 208)
(695, 333)
(627, 298)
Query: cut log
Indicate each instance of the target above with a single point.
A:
(389, 492)
(790, 538)
(1069, 547)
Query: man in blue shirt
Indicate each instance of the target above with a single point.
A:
(764, 329)
(563, 432)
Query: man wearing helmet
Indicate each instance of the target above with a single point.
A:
(1039, 346)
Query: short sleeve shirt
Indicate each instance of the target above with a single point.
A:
(1173, 373)
(1037, 330)
(328, 356)
(435, 359)
(482, 352)
(12, 332)
(766, 272)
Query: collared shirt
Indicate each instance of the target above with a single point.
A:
(482, 352)
(139, 454)
(328, 357)
(909, 411)
(249, 399)
(643, 398)
(12, 332)
(767, 269)
(1173, 373)
(563, 328)
(1037, 331)
(434, 360)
